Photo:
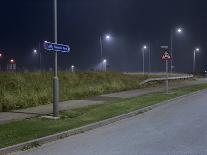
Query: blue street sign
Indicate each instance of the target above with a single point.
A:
(56, 47)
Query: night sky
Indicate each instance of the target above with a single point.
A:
(27, 23)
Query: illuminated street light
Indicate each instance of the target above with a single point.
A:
(105, 64)
(35, 51)
(143, 51)
(72, 68)
(38, 53)
(12, 65)
(1, 56)
(106, 37)
(196, 50)
(179, 30)
(12, 61)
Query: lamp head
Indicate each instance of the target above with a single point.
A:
(104, 61)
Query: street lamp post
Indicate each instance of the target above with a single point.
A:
(179, 30)
(149, 58)
(36, 52)
(1, 56)
(101, 45)
(12, 65)
(143, 62)
(72, 68)
(196, 50)
(40, 57)
(55, 78)
(106, 37)
(105, 64)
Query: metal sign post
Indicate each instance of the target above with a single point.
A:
(55, 78)
(167, 82)
(166, 57)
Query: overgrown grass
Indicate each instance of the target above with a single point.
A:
(21, 131)
(22, 90)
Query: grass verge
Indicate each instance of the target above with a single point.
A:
(22, 90)
(21, 131)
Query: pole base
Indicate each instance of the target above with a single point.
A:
(50, 117)
(55, 96)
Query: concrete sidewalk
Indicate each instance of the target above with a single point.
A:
(72, 104)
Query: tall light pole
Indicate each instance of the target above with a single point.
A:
(40, 57)
(105, 64)
(12, 65)
(101, 45)
(36, 52)
(178, 30)
(105, 37)
(1, 56)
(196, 50)
(72, 68)
(55, 78)
(143, 52)
(149, 57)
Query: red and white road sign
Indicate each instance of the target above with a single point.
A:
(166, 56)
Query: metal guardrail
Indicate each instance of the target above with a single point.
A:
(164, 78)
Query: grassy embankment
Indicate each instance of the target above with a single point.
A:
(21, 131)
(22, 90)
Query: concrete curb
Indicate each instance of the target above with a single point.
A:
(47, 139)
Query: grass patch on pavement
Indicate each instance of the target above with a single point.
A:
(21, 131)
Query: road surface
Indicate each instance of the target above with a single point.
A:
(177, 128)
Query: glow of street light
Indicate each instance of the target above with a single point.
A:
(1, 55)
(145, 47)
(197, 49)
(104, 61)
(12, 61)
(35, 51)
(72, 66)
(108, 37)
(179, 30)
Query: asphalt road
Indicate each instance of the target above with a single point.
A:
(177, 128)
